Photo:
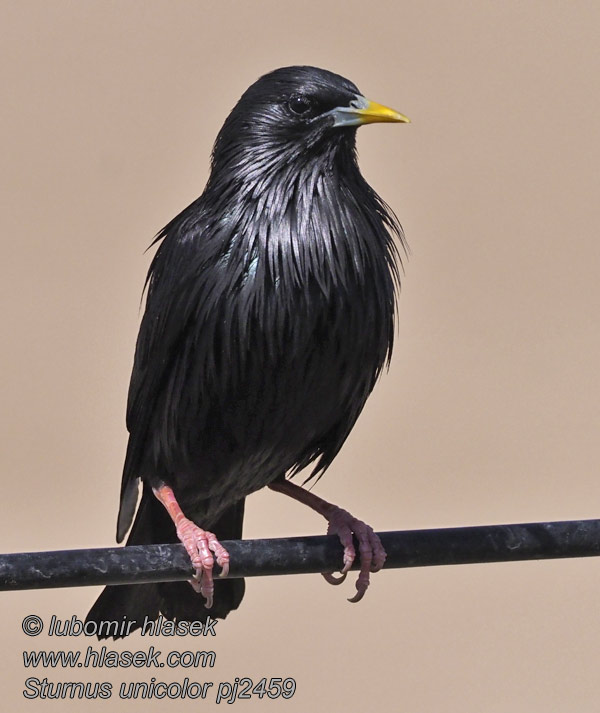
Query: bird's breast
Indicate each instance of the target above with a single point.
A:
(299, 326)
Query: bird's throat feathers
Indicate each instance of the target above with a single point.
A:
(292, 235)
(287, 217)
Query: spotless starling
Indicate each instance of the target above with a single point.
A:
(269, 317)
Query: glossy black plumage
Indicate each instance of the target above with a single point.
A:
(269, 316)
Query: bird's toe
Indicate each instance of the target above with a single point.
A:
(203, 548)
(372, 553)
(220, 553)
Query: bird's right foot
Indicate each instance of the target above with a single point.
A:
(201, 545)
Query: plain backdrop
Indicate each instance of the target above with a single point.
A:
(490, 412)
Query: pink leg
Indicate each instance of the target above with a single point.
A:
(200, 545)
(342, 524)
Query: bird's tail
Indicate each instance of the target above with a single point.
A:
(136, 603)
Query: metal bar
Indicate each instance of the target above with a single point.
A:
(302, 555)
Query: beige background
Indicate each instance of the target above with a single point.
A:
(490, 411)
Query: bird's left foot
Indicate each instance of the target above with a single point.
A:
(372, 553)
(344, 525)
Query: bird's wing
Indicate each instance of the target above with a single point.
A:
(163, 331)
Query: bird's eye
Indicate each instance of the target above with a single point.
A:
(299, 105)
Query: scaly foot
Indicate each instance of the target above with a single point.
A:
(200, 546)
(372, 554)
(342, 524)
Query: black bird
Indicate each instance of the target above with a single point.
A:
(269, 316)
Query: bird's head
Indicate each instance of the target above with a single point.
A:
(292, 112)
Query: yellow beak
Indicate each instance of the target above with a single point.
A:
(374, 112)
(363, 111)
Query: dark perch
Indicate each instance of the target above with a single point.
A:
(302, 555)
